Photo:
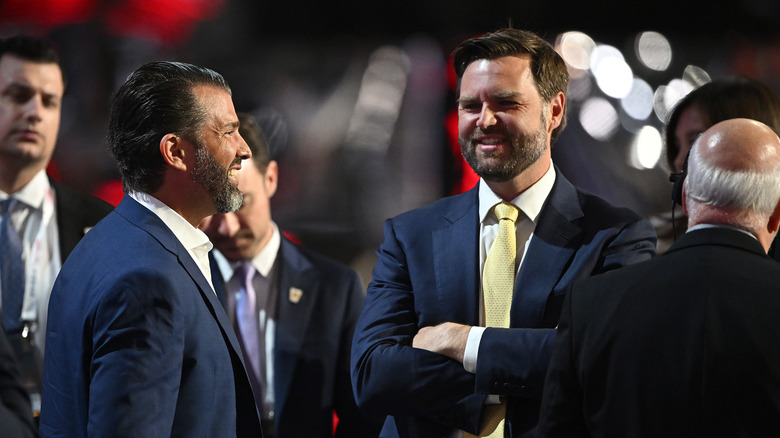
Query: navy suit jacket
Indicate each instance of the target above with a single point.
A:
(139, 345)
(312, 347)
(428, 273)
(685, 345)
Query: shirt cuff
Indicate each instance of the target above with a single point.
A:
(472, 348)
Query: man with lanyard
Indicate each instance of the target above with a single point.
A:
(41, 220)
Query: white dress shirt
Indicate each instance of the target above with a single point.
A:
(34, 218)
(530, 204)
(194, 240)
(263, 263)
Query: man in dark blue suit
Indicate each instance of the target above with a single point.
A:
(306, 310)
(420, 354)
(140, 345)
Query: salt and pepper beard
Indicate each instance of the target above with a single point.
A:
(214, 178)
(524, 151)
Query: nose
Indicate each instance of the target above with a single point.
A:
(32, 108)
(243, 151)
(486, 118)
(227, 224)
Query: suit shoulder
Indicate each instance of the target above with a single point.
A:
(86, 205)
(599, 209)
(436, 209)
(321, 262)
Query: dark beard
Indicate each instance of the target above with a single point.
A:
(524, 151)
(209, 174)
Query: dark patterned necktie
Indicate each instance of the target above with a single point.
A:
(11, 270)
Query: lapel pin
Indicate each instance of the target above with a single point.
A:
(295, 295)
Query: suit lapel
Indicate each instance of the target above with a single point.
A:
(552, 246)
(455, 242)
(295, 304)
(142, 217)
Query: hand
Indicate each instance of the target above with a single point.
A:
(447, 338)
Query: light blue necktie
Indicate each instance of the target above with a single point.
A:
(248, 325)
(11, 270)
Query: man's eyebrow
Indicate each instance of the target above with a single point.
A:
(497, 96)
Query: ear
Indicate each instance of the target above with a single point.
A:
(271, 178)
(174, 152)
(555, 111)
(684, 198)
(774, 220)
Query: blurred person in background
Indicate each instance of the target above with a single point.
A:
(140, 345)
(713, 102)
(16, 417)
(41, 219)
(684, 345)
(460, 315)
(294, 311)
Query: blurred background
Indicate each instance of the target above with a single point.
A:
(358, 96)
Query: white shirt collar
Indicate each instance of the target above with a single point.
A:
(730, 227)
(192, 238)
(263, 262)
(33, 193)
(530, 202)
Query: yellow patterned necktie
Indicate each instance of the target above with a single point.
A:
(498, 283)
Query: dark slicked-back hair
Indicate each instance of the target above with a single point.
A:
(723, 99)
(253, 136)
(31, 48)
(157, 99)
(548, 68)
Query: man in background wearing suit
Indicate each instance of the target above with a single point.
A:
(421, 352)
(139, 344)
(16, 416)
(41, 220)
(298, 331)
(686, 344)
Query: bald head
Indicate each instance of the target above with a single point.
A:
(740, 145)
(734, 176)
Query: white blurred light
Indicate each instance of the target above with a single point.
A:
(696, 76)
(654, 50)
(613, 74)
(575, 48)
(639, 101)
(598, 118)
(646, 148)
(667, 96)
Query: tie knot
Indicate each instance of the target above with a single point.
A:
(5, 205)
(504, 210)
(245, 271)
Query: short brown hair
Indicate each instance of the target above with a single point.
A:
(548, 68)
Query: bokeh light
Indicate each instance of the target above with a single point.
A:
(646, 148)
(613, 75)
(639, 101)
(667, 96)
(599, 118)
(654, 50)
(575, 48)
